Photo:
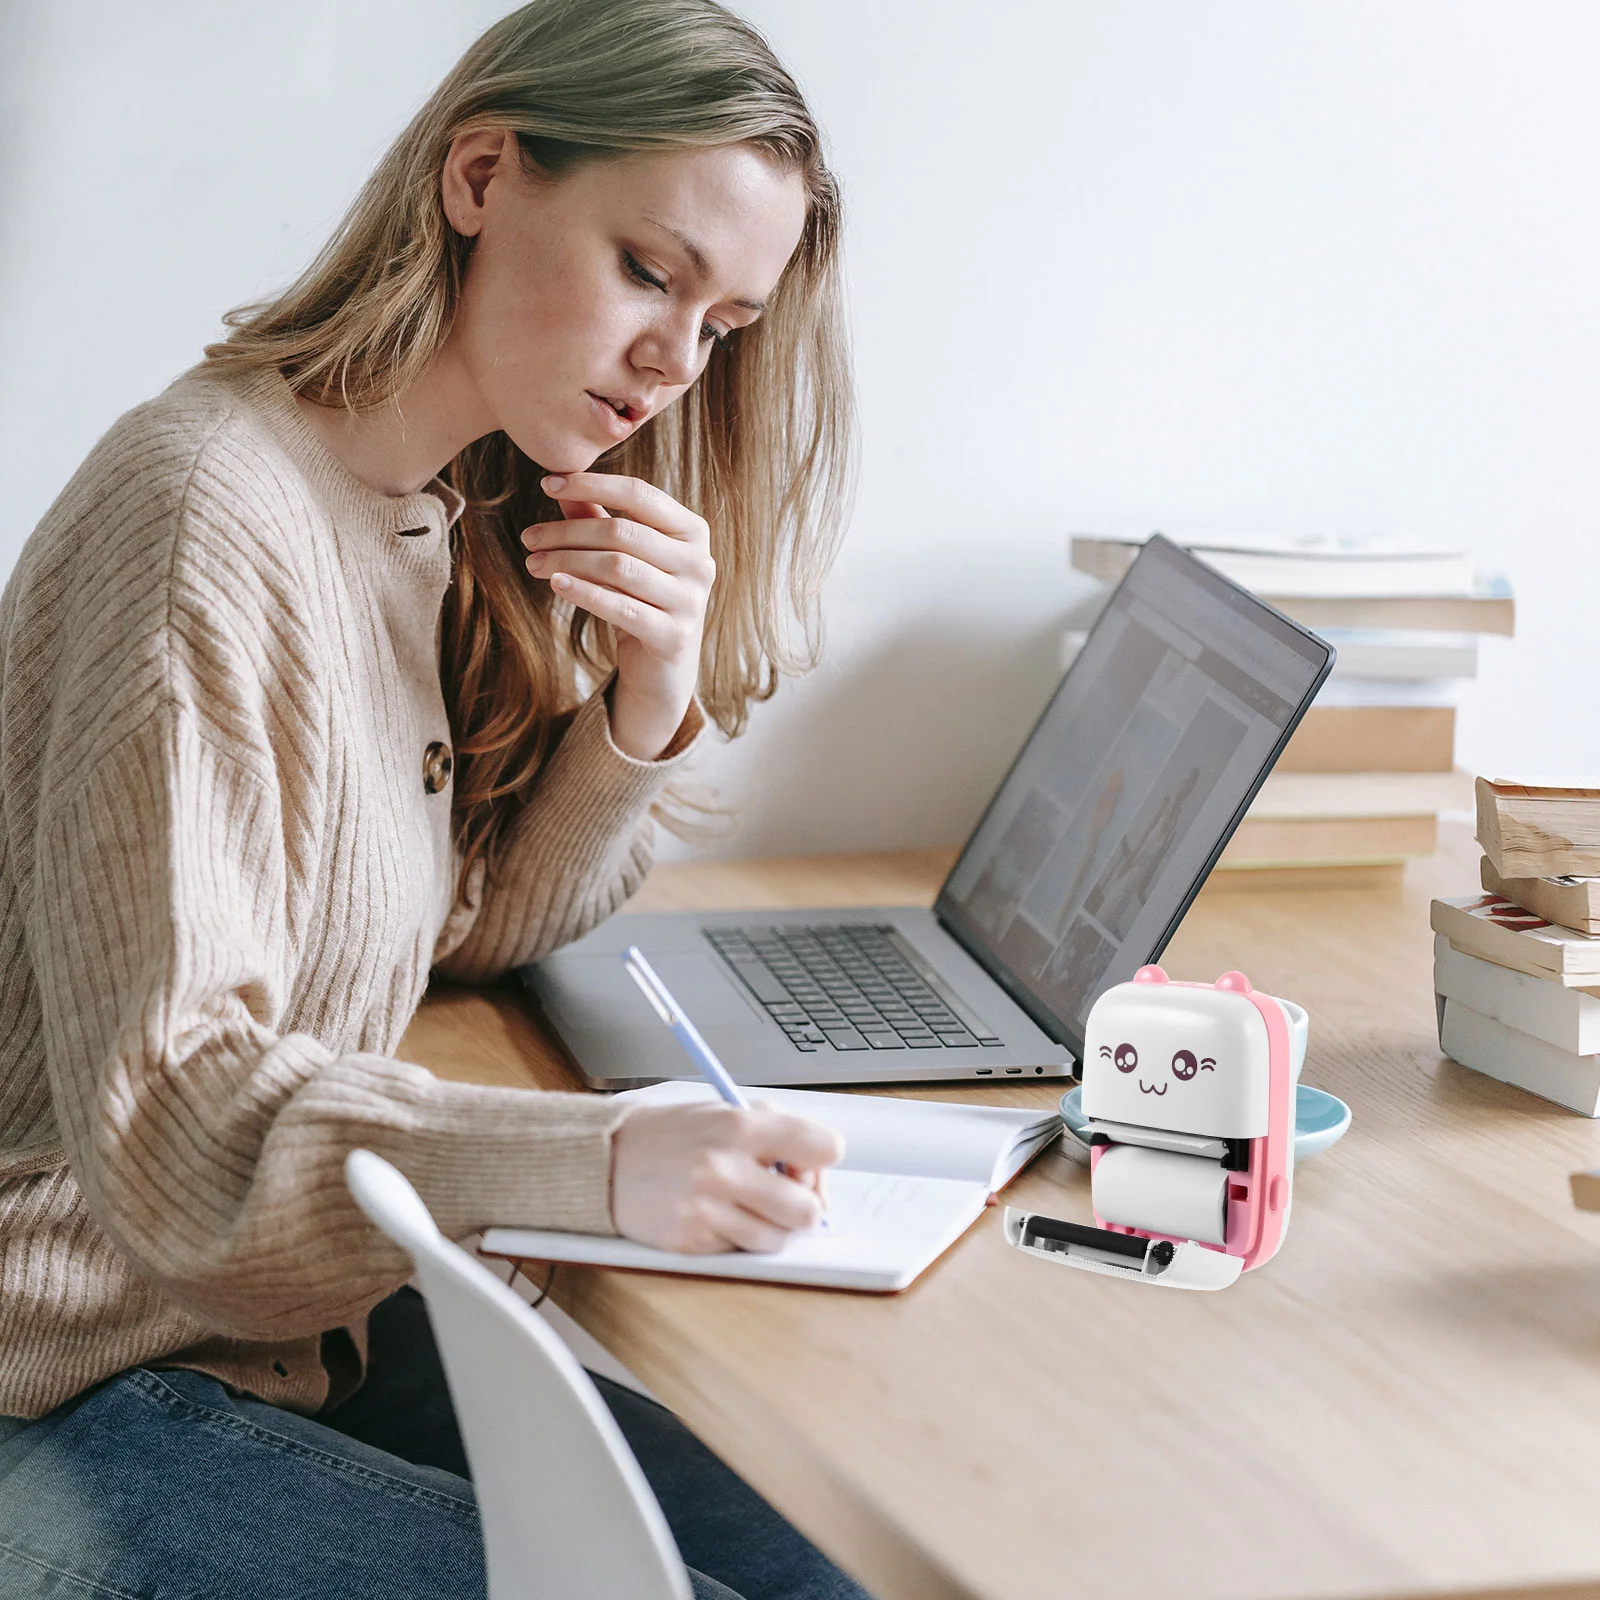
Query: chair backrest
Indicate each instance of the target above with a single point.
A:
(566, 1511)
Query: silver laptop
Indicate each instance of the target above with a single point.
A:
(1077, 874)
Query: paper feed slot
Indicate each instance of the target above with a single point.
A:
(1184, 1144)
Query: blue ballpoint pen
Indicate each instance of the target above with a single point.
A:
(698, 1051)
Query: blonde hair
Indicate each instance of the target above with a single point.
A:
(762, 445)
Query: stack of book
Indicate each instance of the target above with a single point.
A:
(1516, 970)
(1366, 775)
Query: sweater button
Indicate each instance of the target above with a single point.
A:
(436, 764)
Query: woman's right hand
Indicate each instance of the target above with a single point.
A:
(698, 1178)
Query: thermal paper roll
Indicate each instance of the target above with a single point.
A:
(1162, 1192)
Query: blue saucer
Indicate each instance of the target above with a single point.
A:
(1320, 1118)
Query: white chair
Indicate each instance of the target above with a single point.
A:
(567, 1514)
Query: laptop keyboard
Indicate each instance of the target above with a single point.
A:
(848, 985)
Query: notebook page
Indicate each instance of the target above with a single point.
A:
(883, 1230)
(917, 1138)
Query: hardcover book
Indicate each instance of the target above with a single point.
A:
(1361, 794)
(1309, 567)
(1567, 1018)
(1387, 653)
(1288, 841)
(1571, 902)
(1498, 931)
(1490, 608)
(1490, 1047)
(1372, 739)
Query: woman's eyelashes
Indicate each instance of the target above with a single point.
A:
(641, 274)
(638, 271)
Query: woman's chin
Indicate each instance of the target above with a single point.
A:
(557, 449)
(565, 457)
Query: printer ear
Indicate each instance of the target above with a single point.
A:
(1236, 981)
(1150, 975)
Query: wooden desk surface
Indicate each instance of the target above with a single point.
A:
(1406, 1401)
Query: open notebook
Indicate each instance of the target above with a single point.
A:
(916, 1175)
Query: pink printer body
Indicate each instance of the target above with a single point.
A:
(1189, 1093)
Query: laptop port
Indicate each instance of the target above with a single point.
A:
(985, 1072)
(1010, 1070)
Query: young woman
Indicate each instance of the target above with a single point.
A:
(338, 663)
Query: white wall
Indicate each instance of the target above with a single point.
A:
(1296, 264)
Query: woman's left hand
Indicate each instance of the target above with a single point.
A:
(630, 555)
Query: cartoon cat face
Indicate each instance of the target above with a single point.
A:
(1190, 1060)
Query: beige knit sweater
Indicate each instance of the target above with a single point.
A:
(223, 883)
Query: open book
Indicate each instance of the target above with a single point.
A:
(916, 1175)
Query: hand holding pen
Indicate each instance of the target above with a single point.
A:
(704, 1176)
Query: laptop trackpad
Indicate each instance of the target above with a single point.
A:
(708, 993)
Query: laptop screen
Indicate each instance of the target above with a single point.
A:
(1129, 786)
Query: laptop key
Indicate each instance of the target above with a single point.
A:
(884, 1041)
(760, 980)
(956, 1040)
(846, 1039)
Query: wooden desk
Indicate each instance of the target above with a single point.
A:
(1406, 1401)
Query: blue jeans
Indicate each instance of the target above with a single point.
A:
(171, 1486)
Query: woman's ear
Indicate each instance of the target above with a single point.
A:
(475, 159)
